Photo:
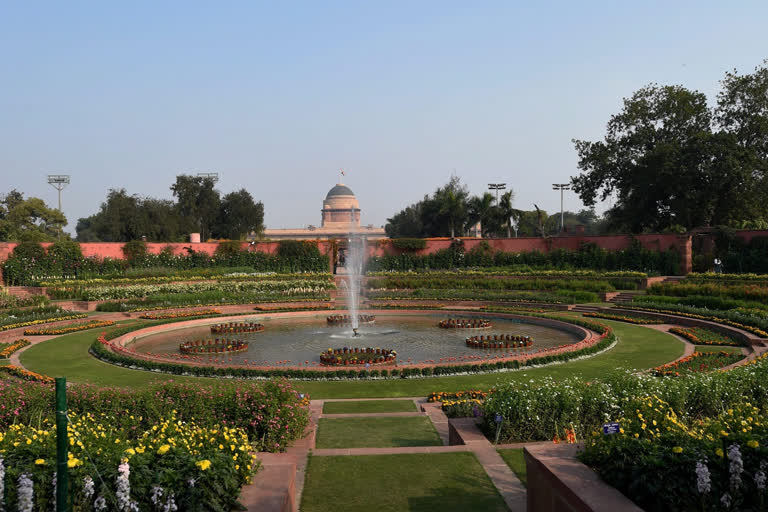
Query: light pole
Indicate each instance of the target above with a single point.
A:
(561, 187)
(213, 176)
(59, 182)
(497, 187)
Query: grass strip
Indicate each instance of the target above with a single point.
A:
(376, 432)
(516, 462)
(369, 406)
(448, 482)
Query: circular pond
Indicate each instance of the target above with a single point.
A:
(415, 338)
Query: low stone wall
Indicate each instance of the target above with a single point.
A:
(558, 482)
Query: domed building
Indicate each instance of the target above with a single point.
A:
(339, 217)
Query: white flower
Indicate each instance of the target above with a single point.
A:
(123, 493)
(760, 480)
(88, 488)
(26, 493)
(100, 504)
(735, 466)
(2, 483)
(702, 478)
(726, 500)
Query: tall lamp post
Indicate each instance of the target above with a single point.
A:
(59, 182)
(497, 187)
(213, 176)
(561, 187)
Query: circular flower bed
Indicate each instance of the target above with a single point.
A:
(347, 319)
(465, 323)
(213, 346)
(236, 327)
(500, 341)
(352, 356)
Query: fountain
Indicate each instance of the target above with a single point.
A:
(353, 272)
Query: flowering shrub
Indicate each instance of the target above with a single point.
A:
(180, 314)
(175, 465)
(441, 396)
(65, 329)
(702, 336)
(698, 362)
(6, 349)
(747, 322)
(25, 374)
(462, 408)
(624, 318)
(38, 319)
(665, 461)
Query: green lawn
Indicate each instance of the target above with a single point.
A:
(448, 482)
(369, 406)
(516, 462)
(376, 432)
(638, 348)
(710, 348)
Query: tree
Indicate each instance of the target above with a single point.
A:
(654, 157)
(239, 215)
(28, 219)
(480, 209)
(197, 202)
(451, 201)
(407, 223)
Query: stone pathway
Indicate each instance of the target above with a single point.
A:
(275, 488)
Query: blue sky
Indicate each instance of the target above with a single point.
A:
(276, 96)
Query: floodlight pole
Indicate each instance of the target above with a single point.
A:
(497, 187)
(561, 187)
(59, 182)
(213, 176)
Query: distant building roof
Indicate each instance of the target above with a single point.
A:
(339, 190)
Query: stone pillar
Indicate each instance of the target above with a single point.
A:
(194, 238)
(685, 248)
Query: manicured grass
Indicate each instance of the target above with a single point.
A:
(67, 356)
(369, 406)
(516, 462)
(639, 348)
(376, 432)
(447, 482)
(5, 362)
(718, 348)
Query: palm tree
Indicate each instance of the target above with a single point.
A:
(481, 209)
(452, 201)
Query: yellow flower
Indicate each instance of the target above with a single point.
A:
(719, 452)
(621, 430)
(677, 449)
(163, 449)
(40, 462)
(203, 464)
(753, 444)
(71, 463)
(130, 451)
(724, 433)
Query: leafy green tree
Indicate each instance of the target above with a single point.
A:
(197, 202)
(481, 209)
(407, 223)
(451, 201)
(654, 158)
(28, 219)
(239, 215)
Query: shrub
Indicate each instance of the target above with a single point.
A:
(409, 244)
(135, 251)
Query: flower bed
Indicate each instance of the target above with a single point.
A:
(116, 465)
(702, 336)
(440, 396)
(6, 349)
(697, 362)
(216, 346)
(664, 461)
(25, 374)
(750, 323)
(465, 323)
(55, 331)
(237, 328)
(356, 356)
(347, 319)
(54, 318)
(502, 341)
(624, 318)
(182, 314)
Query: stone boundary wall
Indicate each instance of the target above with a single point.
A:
(559, 482)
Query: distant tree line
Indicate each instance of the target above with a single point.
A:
(198, 208)
(452, 211)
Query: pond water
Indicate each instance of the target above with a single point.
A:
(415, 338)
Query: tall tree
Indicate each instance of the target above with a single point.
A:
(654, 158)
(198, 202)
(239, 215)
(28, 219)
(451, 200)
(481, 209)
(407, 223)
